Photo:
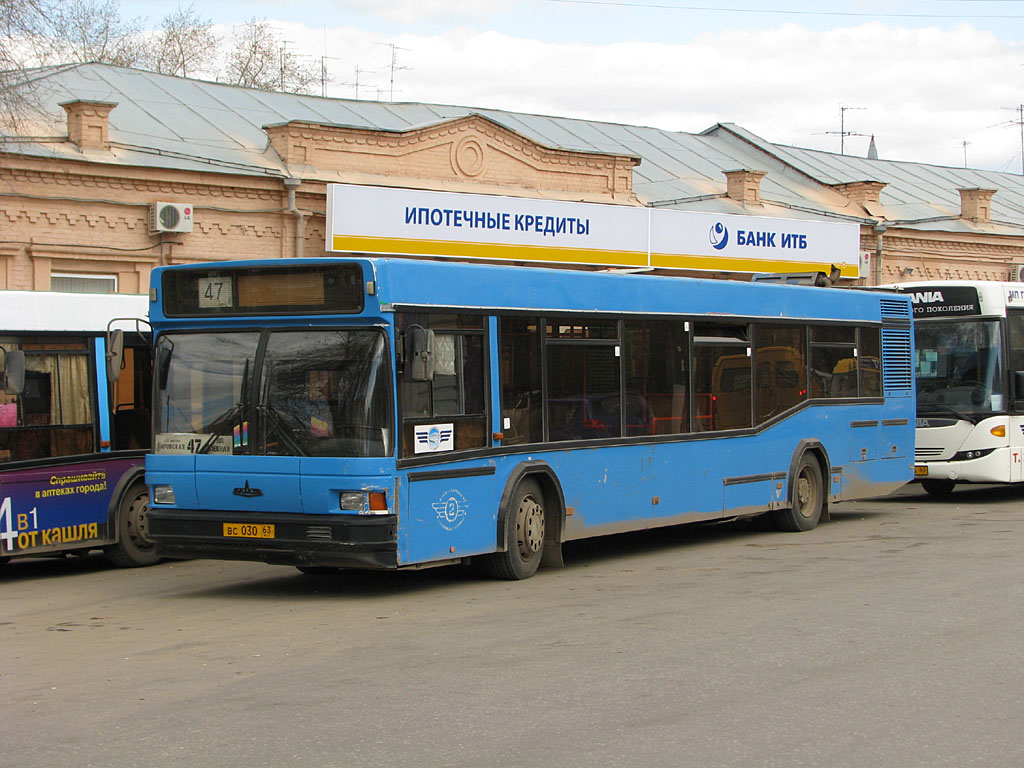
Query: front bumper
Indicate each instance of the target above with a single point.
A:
(339, 541)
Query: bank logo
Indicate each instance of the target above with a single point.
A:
(719, 236)
(451, 509)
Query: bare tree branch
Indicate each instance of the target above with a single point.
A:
(185, 44)
(258, 58)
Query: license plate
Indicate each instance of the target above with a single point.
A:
(249, 530)
(920, 471)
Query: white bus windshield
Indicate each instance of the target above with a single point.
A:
(959, 368)
(316, 393)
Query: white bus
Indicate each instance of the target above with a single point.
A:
(969, 361)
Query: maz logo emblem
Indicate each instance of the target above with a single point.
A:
(247, 492)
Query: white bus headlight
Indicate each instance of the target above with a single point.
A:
(163, 494)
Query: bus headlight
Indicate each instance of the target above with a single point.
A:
(163, 494)
(364, 502)
(977, 453)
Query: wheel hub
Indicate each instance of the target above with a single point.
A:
(529, 527)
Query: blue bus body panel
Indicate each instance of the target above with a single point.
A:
(55, 505)
(632, 487)
(266, 483)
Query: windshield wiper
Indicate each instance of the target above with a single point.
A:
(226, 421)
(273, 417)
(943, 408)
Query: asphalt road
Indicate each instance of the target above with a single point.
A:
(893, 635)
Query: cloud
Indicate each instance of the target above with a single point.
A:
(921, 92)
(411, 11)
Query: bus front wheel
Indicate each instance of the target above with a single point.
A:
(134, 548)
(807, 497)
(524, 535)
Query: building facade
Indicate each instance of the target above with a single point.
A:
(85, 178)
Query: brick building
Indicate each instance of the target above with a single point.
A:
(81, 177)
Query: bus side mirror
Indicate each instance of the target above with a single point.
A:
(115, 354)
(420, 353)
(13, 371)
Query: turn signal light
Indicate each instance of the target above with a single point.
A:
(999, 431)
(364, 502)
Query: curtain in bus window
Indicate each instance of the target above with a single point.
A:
(780, 369)
(583, 392)
(57, 390)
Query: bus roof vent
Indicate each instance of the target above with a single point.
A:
(896, 309)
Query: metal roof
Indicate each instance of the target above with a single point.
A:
(176, 123)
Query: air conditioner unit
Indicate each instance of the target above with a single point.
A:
(170, 217)
(1017, 273)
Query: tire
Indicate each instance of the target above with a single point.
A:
(940, 488)
(524, 535)
(807, 498)
(134, 548)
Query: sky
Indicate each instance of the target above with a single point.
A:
(934, 81)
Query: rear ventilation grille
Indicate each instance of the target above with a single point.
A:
(897, 367)
(892, 308)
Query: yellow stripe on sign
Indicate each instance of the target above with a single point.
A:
(727, 264)
(486, 250)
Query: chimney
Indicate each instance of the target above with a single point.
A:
(744, 186)
(860, 192)
(976, 204)
(88, 123)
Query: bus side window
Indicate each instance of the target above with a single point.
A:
(520, 352)
(781, 365)
(657, 376)
(1015, 325)
(455, 392)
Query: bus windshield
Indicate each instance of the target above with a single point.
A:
(316, 393)
(959, 368)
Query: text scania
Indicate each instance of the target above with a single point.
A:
(769, 239)
(520, 222)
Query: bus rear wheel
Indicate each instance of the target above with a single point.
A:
(524, 535)
(807, 497)
(134, 548)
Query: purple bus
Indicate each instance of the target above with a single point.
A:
(72, 445)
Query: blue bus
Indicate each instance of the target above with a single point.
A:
(365, 412)
(72, 445)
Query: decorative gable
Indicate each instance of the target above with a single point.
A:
(470, 154)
